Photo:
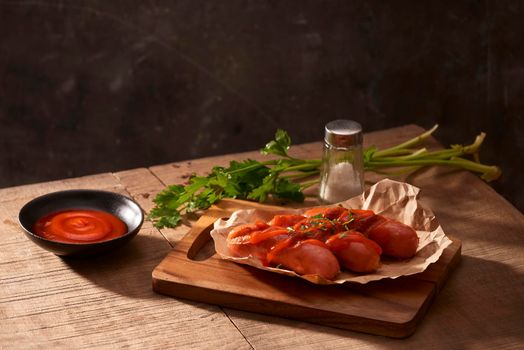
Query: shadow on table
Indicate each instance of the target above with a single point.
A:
(479, 293)
(126, 270)
(481, 304)
(467, 211)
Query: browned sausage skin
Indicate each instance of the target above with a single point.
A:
(396, 239)
(355, 252)
(323, 239)
(307, 257)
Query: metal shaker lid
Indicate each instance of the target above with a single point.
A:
(343, 133)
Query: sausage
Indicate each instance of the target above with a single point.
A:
(244, 230)
(396, 239)
(330, 213)
(323, 239)
(249, 240)
(308, 257)
(361, 220)
(355, 252)
(286, 220)
(316, 228)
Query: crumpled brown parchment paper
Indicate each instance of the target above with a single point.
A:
(396, 200)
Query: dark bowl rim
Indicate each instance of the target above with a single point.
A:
(51, 194)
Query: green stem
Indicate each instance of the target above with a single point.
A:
(475, 146)
(308, 184)
(396, 173)
(301, 167)
(422, 154)
(302, 175)
(304, 165)
(254, 166)
(415, 154)
(444, 154)
(410, 143)
(489, 172)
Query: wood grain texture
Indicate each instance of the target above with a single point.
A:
(177, 173)
(479, 306)
(388, 307)
(101, 302)
(45, 302)
(100, 182)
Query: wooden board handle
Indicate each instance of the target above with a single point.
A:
(199, 235)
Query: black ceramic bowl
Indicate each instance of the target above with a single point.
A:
(122, 207)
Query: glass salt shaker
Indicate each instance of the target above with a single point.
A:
(342, 173)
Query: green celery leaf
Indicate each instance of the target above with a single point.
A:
(279, 146)
(200, 201)
(168, 194)
(162, 217)
(244, 177)
(288, 190)
(261, 192)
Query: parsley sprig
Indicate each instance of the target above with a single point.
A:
(249, 179)
(287, 177)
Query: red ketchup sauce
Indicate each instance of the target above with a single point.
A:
(79, 226)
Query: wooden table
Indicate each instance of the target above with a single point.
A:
(107, 302)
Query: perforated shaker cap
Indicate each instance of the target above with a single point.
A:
(343, 133)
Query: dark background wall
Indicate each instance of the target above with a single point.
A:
(92, 86)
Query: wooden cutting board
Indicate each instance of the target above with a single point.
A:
(392, 308)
